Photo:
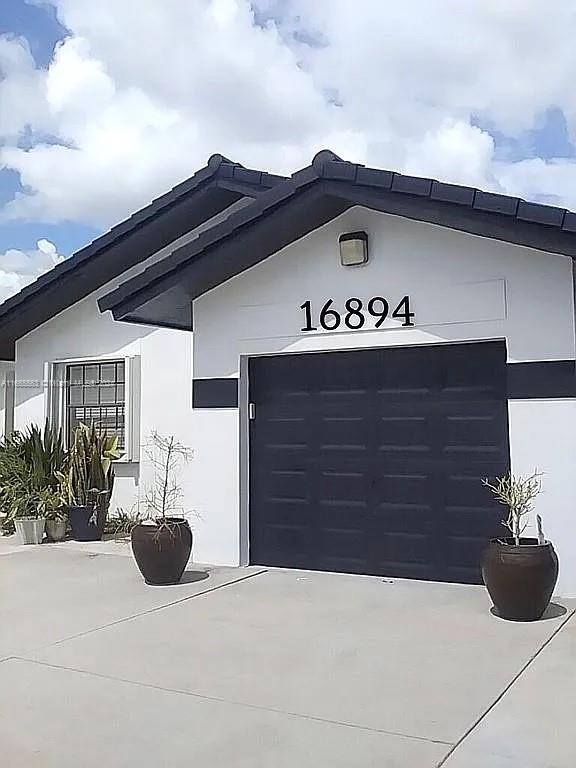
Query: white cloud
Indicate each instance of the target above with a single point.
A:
(21, 90)
(141, 93)
(551, 181)
(18, 268)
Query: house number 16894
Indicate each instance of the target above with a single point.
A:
(355, 314)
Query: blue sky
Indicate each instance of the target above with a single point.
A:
(37, 23)
(268, 82)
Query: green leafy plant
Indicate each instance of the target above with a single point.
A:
(16, 496)
(517, 493)
(29, 465)
(88, 478)
(50, 503)
(122, 523)
(44, 453)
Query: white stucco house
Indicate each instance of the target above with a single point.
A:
(348, 352)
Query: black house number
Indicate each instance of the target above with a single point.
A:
(355, 314)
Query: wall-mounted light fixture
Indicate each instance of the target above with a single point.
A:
(353, 249)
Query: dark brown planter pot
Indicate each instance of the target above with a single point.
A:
(520, 578)
(162, 550)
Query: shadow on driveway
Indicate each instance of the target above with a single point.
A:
(554, 611)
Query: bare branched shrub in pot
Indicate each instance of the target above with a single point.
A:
(162, 544)
(520, 572)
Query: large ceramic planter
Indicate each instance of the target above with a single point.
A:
(30, 530)
(520, 578)
(56, 530)
(161, 550)
(86, 524)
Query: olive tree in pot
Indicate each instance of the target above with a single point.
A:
(162, 544)
(88, 480)
(519, 572)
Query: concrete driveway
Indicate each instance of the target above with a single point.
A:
(243, 668)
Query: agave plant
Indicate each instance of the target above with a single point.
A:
(89, 475)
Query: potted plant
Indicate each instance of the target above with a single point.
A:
(162, 545)
(519, 572)
(88, 480)
(29, 527)
(14, 477)
(29, 492)
(25, 508)
(53, 505)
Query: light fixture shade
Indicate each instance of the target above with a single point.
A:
(353, 249)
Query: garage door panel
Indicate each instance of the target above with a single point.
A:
(345, 484)
(337, 434)
(285, 540)
(474, 432)
(404, 548)
(471, 521)
(286, 433)
(464, 485)
(343, 542)
(401, 484)
(372, 461)
(286, 483)
(467, 364)
(395, 518)
(288, 511)
(285, 492)
(395, 432)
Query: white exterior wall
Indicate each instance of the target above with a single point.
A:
(462, 288)
(6, 397)
(82, 331)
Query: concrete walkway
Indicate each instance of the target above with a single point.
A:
(250, 668)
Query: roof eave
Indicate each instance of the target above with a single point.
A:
(460, 208)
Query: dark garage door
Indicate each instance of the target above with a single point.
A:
(371, 461)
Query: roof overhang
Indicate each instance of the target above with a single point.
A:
(163, 294)
(210, 191)
(167, 299)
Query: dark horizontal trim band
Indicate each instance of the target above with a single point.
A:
(549, 379)
(525, 381)
(215, 393)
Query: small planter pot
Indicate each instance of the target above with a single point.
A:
(162, 550)
(87, 526)
(56, 530)
(520, 578)
(30, 530)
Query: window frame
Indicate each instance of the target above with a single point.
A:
(55, 401)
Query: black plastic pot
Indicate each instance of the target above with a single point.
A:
(520, 578)
(162, 550)
(84, 526)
